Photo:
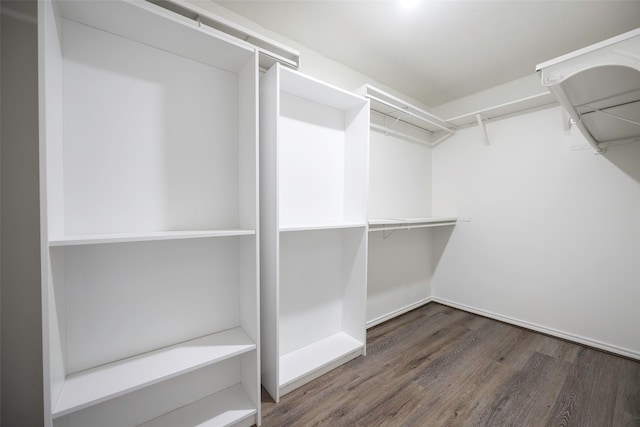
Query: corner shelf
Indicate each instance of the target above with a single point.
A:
(599, 87)
(96, 385)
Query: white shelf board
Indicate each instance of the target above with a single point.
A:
(589, 49)
(303, 86)
(224, 408)
(94, 239)
(529, 103)
(386, 224)
(598, 86)
(396, 108)
(153, 25)
(308, 359)
(87, 388)
(321, 227)
(396, 221)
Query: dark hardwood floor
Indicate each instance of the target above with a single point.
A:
(438, 366)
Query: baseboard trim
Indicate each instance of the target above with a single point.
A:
(542, 329)
(398, 312)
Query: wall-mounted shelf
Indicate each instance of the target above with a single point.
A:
(496, 112)
(394, 110)
(321, 227)
(388, 224)
(599, 86)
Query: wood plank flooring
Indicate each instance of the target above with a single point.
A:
(438, 366)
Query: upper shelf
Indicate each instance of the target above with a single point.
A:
(394, 110)
(538, 100)
(599, 86)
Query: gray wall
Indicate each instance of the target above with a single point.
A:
(21, 390)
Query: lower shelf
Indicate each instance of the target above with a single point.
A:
(314, 357)
(90, 387)
(225, 408)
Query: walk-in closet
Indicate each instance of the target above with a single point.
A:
(269, 213)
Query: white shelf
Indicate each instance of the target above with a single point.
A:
(224, 408)
(496, 112)
(598, 87)
(386, 224)
(399, 110)
(305, 361)
(86, 388)
(321, 227)
(93, 239)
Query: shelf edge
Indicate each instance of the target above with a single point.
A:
(67, 409)
(99, 239)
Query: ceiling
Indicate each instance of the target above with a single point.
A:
(438, 51)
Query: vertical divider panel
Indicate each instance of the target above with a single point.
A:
(356, 164)
(248, 218)
(354, 274)
(51, 196)
(269, 230)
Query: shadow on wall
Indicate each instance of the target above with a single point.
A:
(626, 158)
(441, 236)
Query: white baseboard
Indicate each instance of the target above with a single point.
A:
(398, 312)
(543, 329)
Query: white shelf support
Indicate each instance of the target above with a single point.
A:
(566, 121)
(483, 129)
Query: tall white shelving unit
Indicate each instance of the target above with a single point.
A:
(313, 201)
(150, 219)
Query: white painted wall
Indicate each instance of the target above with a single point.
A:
(399, 268)
(399, 272)
(554, 236)
(399, 177)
